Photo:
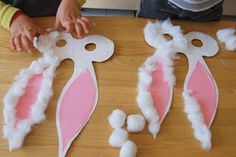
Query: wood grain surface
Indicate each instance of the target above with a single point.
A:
(117, 81)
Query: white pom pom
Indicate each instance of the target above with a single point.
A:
(118, 137)
(227, 37)
(224, 34)
(129, 149)
(231, 44)
(135, 123)
(117, 118)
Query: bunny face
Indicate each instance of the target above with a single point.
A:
(103, 51)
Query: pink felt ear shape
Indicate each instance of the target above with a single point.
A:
(200, 89)
(27, 99)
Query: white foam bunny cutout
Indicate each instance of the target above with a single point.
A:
(156, 79)
(28, 97)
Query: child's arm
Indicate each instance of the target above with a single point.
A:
(22, 28)
(6, 14)
(69, 17)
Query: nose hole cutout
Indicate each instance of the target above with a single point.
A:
(197, 42)
(168, 37)
(90, 46)
(61, 43)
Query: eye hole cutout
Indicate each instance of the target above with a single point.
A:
(197, 42)
(61, 43)
(168, 37)
(90, 47)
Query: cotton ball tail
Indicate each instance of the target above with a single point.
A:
(117, 118)
(128, 149)
(118, 137)
(135, 123)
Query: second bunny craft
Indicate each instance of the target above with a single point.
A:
(156, 79)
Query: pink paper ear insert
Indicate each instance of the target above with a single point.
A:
(23, 108)
(161, 92)
(204, 91)
(76, 106)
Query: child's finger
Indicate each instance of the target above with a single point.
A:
(41, 31)
(17, 41)
(84, 24)
(86, 19)
(79, 30)
(69, 27)
(26, 43)
(29, 35)
(13, 46)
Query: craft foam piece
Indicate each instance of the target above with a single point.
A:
(156, 80)
(117, 118)
(118, 137)
(227, 37)
(128, 149)
(27, 99)
(135, 123)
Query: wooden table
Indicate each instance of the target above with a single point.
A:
(117, 80)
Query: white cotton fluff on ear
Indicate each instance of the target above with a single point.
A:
(227, 37)
(128, 149)
(144, 98)
(118, 137)
(117, 118)
(15, 132)
(135, 123)
(154, 35)
(195, 116)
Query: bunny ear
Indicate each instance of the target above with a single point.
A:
(27, 99)
(204, 89)
(200, 89)
(155, 91)
(75, 106)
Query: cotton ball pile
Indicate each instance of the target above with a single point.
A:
(117, 118)
(227, 37)
(135, 123)
(119, 136)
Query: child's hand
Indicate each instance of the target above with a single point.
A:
(68, 16)
(23, 30)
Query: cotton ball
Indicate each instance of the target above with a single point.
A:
(118, 137)
(231, 43)
(224, 34)
(128, 149)
(135, 123)
(117, 118)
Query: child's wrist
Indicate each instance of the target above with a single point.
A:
(15, 16)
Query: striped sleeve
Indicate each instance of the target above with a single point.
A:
(6, 13)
